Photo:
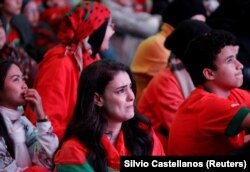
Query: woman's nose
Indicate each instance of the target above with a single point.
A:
(24, 86)
(131, 95)
(112, 25)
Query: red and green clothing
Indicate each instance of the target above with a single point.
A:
(72, 156)
(206, 124)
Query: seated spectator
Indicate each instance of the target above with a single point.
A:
(223, 18)
(17, 27)
(20, 56)
(84, 32)
(105, 124)
(151, 56)
(22, 146)
(213, 120)
(43, 35)
(172, 85)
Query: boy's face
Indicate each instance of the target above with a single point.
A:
(229, 70)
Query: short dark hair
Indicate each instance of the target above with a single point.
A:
(203, 50)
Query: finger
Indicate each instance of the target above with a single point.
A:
(31, 100)
(35, 94)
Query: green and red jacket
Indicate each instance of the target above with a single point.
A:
(72, 156)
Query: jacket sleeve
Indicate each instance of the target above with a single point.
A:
(56, 83)
(41, 142)
(72, 158)
(7, 163)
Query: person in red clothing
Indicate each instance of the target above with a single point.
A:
(16, 26)
(84, 32)
(172, 85)
(214, 118)
(105, 124)
(43, 36)
(53, 12)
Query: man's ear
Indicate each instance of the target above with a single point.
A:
(98, 100)
(209, 74)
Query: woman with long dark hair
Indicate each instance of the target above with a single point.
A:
(105, 124)
(22, 146)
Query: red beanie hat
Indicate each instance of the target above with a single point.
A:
(82, 21)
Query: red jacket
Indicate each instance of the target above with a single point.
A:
(57, 82)
(73, 154)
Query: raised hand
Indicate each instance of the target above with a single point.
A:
(34, 101)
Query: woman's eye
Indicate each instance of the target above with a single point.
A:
(16, 79)
(121, 91)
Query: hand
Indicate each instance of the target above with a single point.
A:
(34, 101)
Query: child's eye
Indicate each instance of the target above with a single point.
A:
(229, 60)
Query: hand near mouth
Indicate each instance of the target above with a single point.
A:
(34, 101)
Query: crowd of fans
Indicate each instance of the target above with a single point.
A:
(84, 82)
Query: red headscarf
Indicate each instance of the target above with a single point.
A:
(82, 21)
